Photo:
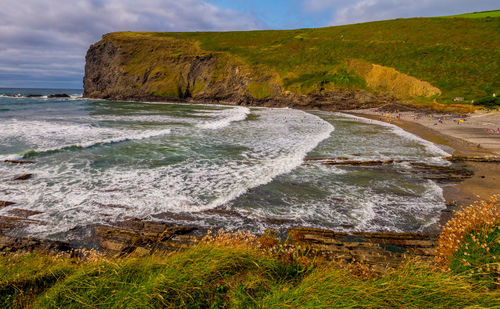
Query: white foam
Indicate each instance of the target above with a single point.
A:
(216, 167)
(271, 168)
(11, 157)
(277, 143)
(225, 118)
(145, 118)
(431, 147)
(44, 136)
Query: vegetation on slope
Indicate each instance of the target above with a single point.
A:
(244, 271)
(483, 14)
(457, 56)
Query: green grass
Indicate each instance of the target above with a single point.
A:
(478, 14)
(479, 256)
(489, 102)
(457, 55)
(216, 276)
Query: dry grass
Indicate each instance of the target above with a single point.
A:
(464, 221)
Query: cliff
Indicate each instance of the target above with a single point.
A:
(119, 67)
(354, 66)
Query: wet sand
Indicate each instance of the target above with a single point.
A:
(465, 135)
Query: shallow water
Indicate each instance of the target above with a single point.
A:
(214, 166)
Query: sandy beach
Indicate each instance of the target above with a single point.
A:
(474, 134)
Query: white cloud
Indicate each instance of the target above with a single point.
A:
(354, 11)
(52, 36)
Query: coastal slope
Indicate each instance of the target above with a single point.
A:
(343, 67)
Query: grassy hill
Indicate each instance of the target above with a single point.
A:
(421, 59)
(484, 14)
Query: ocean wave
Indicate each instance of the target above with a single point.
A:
(140, 136)
(269, 169)
(431, 147)
(78, 96)
(49, 137)
(198, 183)
(225, 118)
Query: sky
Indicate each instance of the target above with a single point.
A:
(43, 42)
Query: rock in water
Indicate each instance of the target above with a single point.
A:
(19, 161)
(23, 177)
(5, 204)
(58, 95)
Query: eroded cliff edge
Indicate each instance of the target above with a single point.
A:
(153, 67)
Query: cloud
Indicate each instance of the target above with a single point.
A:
(355, 11)
(46, 40)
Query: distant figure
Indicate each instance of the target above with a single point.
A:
(478, 145)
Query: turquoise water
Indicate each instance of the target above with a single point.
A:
(213, 166)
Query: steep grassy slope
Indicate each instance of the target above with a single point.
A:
(405, 58)
(214, 276)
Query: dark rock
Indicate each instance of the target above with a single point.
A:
(19, 161)
(443, 174)
(58, 95)
(6, 203)
(33, 95)
(23, 213)
(114, 206)
(457, 158)
(27, 244)
(143, 237)
(380, 250)
(278, 221)
(174, 216)
(23, 177)
(8, 223)
(223, 211)
(342, 161)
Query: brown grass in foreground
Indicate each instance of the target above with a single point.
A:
(464, 221)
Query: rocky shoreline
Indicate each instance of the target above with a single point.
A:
(140, 237)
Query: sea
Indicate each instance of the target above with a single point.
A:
(213, 166)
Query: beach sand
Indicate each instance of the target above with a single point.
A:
(473, 134)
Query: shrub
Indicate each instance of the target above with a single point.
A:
(475, 218)
(489, 102)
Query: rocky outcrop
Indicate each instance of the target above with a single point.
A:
(129, 67)
(19, 161)
(23, 177)
(490, 159)
(5, 204)
(143, 237)
(28, 244)
(58, 95)
(380, 250)
(139, 237)
(456, 172)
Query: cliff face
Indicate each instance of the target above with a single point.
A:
(165, 69)
(361, 65)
